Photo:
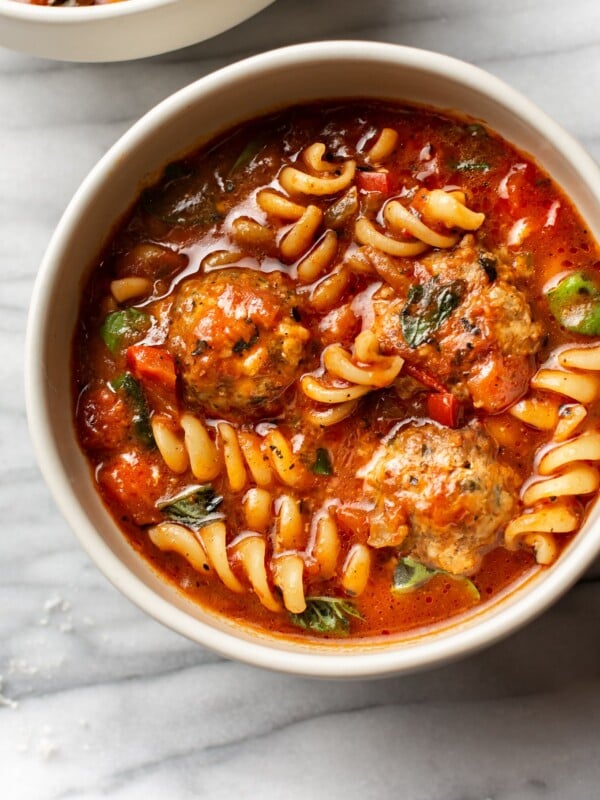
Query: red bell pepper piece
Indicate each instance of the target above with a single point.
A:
(374, 182)
(443, 407)
(424, 377)
(152, 365)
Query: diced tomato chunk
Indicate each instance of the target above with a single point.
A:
(131, 480)
(152, 365)
(103, 419)
(500, 381)
(443, 407)
(374, 182)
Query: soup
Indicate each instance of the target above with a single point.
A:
(336, 373)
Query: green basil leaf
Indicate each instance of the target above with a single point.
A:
(410, 574)
(252, 148)
(575, 303)
(427, 307)
(125, 325)
(182, 198)
(139, 405)
(245, 344)
(322, 464)
(326, 615)
(194, 507)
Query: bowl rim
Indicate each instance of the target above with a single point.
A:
(263, 651)
(60, 14)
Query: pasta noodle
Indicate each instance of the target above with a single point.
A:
(313, 158)
(286, 465)
(331, 415)
(356, 569)
(583, 388)
(301, 236)
(448, 208)
(125, 289)
(296, 182)
(378, 371)
(232, 455)
(319, 258)
(204, 457)
(170, 446)
(570, 418)
(555, 518)
(250, 550)
(331, 395)
(401, 220)
(289, 533)
(326, 548)
(249, 232)
(288, 573)
(258, 508)
(586, 358)
(214, 539)
(179, 539)
(366, 233)
(328, 292)
(584, 448)
(276, 205)
(384, 146)
(539, 413)
(578, 479)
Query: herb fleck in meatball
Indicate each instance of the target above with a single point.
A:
(441, 495)
(237, 340)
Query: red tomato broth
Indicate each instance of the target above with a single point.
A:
(468, 157)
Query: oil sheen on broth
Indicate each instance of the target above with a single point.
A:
(336, 374)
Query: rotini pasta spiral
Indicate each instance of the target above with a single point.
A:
(362, 371)
(438, 207)
(565, 469)
(241, 456)
(207, 549)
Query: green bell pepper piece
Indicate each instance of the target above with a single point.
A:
(575, 303)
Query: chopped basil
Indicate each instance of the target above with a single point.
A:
(245, 344)
(137, 400)
(194, 507)
(427, 307)
(322, 464)
(575, 303)
(326, 615)
(123, 325)
(181, 198)
(489, 266)
(410, 574)
(252, 149)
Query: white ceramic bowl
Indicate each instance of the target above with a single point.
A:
(243, 90)
(118, 31)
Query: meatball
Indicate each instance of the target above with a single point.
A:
(235, 335)
(463, 320)
(440, 495)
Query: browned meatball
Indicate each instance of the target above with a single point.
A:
(237, 341)
(462, 319)
(440, 494)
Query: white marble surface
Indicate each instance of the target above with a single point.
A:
(100, 701)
